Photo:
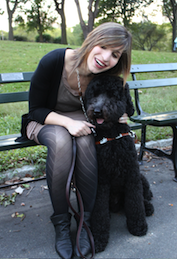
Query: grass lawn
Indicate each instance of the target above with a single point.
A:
(24, 56)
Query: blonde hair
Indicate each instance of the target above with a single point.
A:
(111, 35)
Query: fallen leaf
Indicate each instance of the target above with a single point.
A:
(45, 187)
(20, 215)
(26, 186)
(27, 178)
(19, 190)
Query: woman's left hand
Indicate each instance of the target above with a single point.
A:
(124, 118)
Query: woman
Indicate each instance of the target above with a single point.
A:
(56, 114)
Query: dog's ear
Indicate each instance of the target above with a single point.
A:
(129, 105)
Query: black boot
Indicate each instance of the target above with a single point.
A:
(84, 242)
(63, 242)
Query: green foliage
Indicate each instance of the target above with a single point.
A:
(25, 156)
(57, 40)
(146, 35)
(116, 10)
(39, 18)
(7, 199)
(20, 38)
(75, 35)
(45, 37)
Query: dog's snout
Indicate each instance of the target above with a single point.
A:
(97, 112)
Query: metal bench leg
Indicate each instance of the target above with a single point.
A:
(174, 150)
(143, 140)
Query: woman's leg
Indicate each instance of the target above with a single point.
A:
(86, 170)
(59, 144)
(86, 182)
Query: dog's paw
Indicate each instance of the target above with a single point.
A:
(137, 229)
(149, 208)
(100, 247)
(148, 195)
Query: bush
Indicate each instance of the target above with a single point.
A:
(46, 38)
(20, 38)
(57, 40)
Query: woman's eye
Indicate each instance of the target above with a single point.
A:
(115, 55)
(103, 47)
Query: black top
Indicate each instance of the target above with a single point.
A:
(44, 88)
(44, 85)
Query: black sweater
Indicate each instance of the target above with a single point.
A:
(44, 88)
(44, 85)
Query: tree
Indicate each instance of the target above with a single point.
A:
(146, 35)
(11, 12)
(170, 11)
(60, 10)
(39, 18)
(92, 14)
(124, 10)
(75, 35)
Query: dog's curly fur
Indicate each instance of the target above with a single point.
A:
(120, 182)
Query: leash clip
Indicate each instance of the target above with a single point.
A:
(119, 136)
(104, 140)
(93, 131)
(132, 134)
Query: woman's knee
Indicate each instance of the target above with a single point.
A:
(54, 135)
(86, 142)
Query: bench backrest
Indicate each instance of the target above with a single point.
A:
(15, 78)
(135, 84)
(146, 68)
(150, 83)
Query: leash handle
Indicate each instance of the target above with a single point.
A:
(80, 217)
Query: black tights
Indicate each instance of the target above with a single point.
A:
(59, 157)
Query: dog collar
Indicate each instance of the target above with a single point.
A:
(121, 135)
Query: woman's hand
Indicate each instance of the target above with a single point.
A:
(124, 118)
(79, 128)
(75, 127)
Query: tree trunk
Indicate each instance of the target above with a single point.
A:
(174, 29)
(10, 16)
(82, 23)
(63, 30)
(91, 16)
(60, 11)
(11, 35)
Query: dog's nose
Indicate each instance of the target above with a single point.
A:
(97, 112)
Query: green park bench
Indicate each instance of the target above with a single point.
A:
(8, 142)
(162, 119)
(140, 121)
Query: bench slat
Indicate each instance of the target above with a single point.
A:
(8, 142)
(15, 77)
(14, 97)
(157, 119)
(140, 84)
(144, 68)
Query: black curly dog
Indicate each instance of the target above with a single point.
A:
(120, 182)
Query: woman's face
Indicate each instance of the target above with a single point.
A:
(102, 58)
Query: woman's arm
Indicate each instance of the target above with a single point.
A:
(44, 85)
(75, 127)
